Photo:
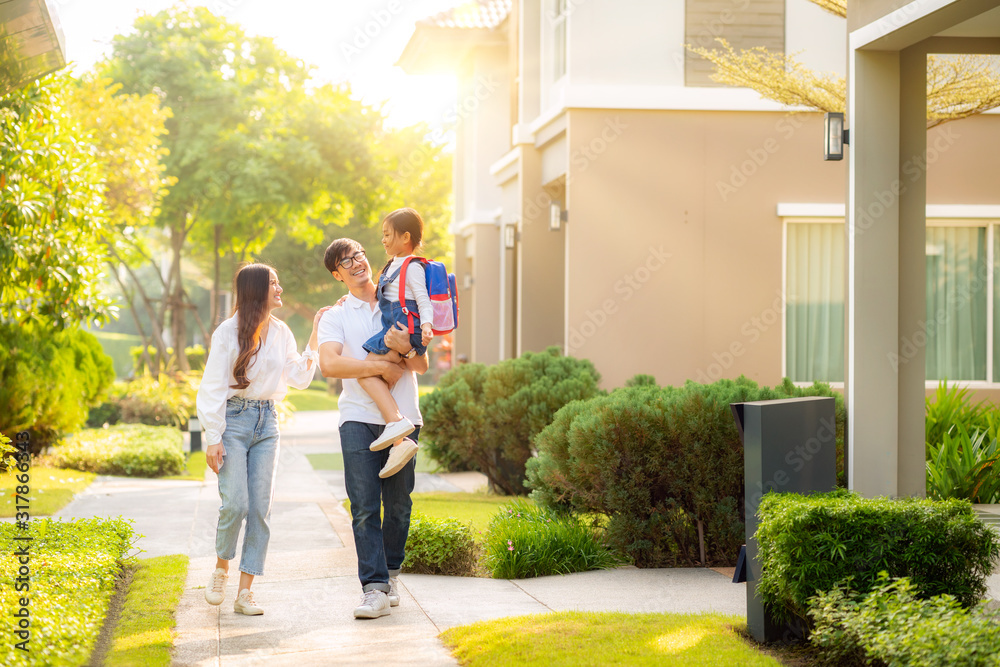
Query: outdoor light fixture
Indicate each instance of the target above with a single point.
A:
(834, 136)
(509, 236)
(557, 216)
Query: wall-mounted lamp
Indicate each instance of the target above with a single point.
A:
(557, 216)
(509, 236)
(835, 137)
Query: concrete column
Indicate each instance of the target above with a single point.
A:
(539, 263)
(872, 385)
(486, 294)
(912, 480)
(463, 276)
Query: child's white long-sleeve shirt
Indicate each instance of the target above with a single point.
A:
(416, 288)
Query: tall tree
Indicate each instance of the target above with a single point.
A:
(52, 216)
(133, 185)
(957, 86)
(251, 148)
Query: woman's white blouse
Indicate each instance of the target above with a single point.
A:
(276, 366)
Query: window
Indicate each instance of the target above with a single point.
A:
(557, 17)
(961, 337)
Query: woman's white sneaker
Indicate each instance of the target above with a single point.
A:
(374, 603)
(393, 433)
(215, 592)
(245, 604)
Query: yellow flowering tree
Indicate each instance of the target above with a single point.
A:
(957, 86)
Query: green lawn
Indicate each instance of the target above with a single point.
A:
(145, 631)
(335, 461)
(51, 489)
(196, 465)
(311, 399)
(477, 508)
(584, 638)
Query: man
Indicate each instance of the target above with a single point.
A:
(342, 332)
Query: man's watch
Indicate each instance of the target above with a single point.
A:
(409, 355)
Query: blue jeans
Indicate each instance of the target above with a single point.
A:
(380, 543)
(246, 481)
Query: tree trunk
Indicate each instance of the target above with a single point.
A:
(155, 319)
(215, 284)
(135, 317)
(178, 307)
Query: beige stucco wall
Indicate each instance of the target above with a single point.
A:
(674, 243)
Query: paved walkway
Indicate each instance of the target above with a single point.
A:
(311, 585)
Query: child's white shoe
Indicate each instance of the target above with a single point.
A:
(393, 433)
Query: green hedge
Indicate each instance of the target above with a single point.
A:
(810, 544)
(127, 449)
(73, 567)
(656, 461)
(488, 415)
(440, 546)
(893, 626)
(525, 541)
(48, 380)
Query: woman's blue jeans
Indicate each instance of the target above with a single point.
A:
(380, 543)
(246, 481)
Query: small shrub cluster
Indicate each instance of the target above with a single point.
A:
(48, 380)
(963, 453)
(525, 541)
(196, 357)
(810, 544)
(127, 449)
(892, 625)
(486, 416)
(74, 565)
(164, 400)
(440, 546)
(656, 462)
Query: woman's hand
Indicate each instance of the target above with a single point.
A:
(314, 336)
(213, 456)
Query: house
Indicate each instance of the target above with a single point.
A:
(612, 200)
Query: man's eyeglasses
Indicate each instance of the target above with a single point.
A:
(348, 262)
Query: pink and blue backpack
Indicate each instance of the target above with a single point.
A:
(442, 289)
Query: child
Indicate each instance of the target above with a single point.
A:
(402, 232)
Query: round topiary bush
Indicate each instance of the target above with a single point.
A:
(127, 449)
(656, 462)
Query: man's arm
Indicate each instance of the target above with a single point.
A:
(397, 339)
(333, 363)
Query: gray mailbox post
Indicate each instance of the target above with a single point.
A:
(789, 445)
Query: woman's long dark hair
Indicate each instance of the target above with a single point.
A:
(252, 284)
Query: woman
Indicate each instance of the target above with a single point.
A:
(253, 360)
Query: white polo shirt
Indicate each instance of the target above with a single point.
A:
(351, 325)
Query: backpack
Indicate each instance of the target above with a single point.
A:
(443, 291)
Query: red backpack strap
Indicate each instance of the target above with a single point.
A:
(402, 289)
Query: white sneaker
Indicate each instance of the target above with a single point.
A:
(374, 603)
(399, 456)
(393, 433)
(215, 592)
(393, 592)
(245, 604)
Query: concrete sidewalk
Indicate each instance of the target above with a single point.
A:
(311, 588)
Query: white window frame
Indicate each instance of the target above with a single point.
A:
(555, 16)
(990, 223)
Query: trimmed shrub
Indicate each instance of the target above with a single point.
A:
(893, 626)
(810, 544)
(525, 541)
(127, 449)
(48, 380)
(489, 415)
(452, 413)
(656, 462)
(160, 401)
(440, 546)
(74, 566)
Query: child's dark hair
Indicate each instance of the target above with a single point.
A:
(404, 220)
